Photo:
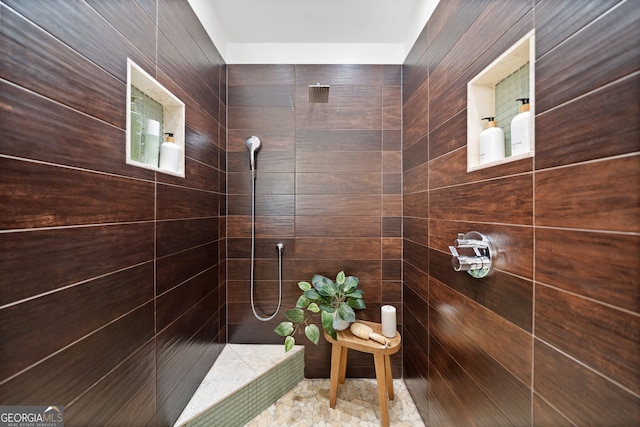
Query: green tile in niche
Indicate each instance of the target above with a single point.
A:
(512, 87)
(149, 107)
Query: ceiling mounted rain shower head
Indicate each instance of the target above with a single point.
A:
(318, 93)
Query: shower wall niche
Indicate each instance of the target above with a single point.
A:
(154, 116)
(493, 93)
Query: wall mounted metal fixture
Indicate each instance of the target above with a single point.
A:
(477, 254)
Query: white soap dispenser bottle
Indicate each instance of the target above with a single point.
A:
(521, 129)
(491, 142)
(170, 154)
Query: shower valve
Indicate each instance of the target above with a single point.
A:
(478, 254)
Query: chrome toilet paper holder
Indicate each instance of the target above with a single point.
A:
(476, 256)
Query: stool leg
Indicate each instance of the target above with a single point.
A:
(336, 358)
(382, 388)
(389, 376)
(343, 364)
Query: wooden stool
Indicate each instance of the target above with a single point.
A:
(339, 349)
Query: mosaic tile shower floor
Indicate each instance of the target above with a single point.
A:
(307, 405)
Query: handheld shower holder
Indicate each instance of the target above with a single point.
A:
(477, 254)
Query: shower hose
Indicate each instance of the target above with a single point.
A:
(279, 247)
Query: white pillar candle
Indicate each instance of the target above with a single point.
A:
(388, 316)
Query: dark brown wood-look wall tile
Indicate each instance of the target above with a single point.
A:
(392, 183)
(352, 162)
(337, 226)
(507, 200)
(260, 95)
(329, 204)
(566, 134)
(582, 395)
(180, 299)
(391, 162)
(611, 346)
(565, 259)
(391, 205)
(416, 155)
(185, 353)
(545, 415)
(391, 118)
(338, 183)
(178, 202)
(201, 145)
(416, 124)
(449, 136)
(482, 409)
(362, 95)
(416, 279)
(174, 269)
(392, 97)
(506, 390)
(416, 230)
(240, 74)
(365, 118)
(338, 248)
(340, 74)
(134, 25)
(67, 374)
(392, 249)
(508, 296)
(36, 195)
(140, 410)
(45, 65)
(416, 180)
(514, 244)
(260, 119)
(61, 135)
(451, 169)
(557, 21)
(109, 395)
(332, 140)
(454, 321)
(88, 35)
(68, 255)
(175, 236)
(585, 196)
(416, 204)
(416, 254)
(600, 53)
(69, 315)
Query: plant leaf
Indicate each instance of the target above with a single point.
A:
(289, 342)
(327, 321)
(312, 294)
(284, 329)
(305, 286)
(313, 307)
(296, 315)
(313, 333)
(350, 284)
(355, 294)
(326, 308)
(303, 302)
(340, 278)
(319, 281)
(346, 313)
(356, 303)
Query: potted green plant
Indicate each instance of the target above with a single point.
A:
(334, 301)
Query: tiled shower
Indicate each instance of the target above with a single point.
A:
(119, 286)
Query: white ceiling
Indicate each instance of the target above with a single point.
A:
(313, 31)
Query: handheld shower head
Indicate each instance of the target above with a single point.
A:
(253, 144)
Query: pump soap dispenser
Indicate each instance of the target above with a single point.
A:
(169, 154)
(491, 142)
(520, 129)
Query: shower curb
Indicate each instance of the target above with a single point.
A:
(250, 392)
